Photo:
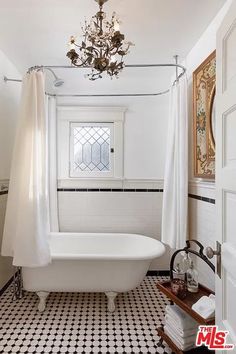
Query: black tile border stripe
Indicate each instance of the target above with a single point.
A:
(6, 286)
(203, 199)
(110, 190)
(3, 192)
(152, 273)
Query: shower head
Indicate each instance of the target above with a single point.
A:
(57, 82)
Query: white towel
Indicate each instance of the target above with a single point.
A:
(181, 332)
(184, 341)
(183, 345)
(205, 306)
(182, 319)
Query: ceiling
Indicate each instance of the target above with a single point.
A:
(36, 32)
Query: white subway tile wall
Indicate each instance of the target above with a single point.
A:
(121, 212)
(202, 227)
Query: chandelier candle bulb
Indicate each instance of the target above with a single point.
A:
(113, 59)
(71, 43)
(116, 26)
(72, 46)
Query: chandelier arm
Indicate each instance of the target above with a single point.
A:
(86, 49)
(116, 47)
(80, 65)
(94, 49)
(77, 45)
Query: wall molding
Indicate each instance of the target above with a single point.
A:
(202, 184)
(69, 108)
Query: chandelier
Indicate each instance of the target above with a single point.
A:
(103, 46)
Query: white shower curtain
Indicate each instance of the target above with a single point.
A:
(26, 228)
(175, 197)
(52, 151)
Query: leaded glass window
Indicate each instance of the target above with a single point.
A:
(91, 145)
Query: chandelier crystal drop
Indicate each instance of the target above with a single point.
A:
(103, 46)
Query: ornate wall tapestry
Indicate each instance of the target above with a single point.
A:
(204, 81)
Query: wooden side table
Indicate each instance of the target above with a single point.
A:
(185, 305)
(191, 298)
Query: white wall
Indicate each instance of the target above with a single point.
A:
(9, 99)
(145, 132)
(202, 213)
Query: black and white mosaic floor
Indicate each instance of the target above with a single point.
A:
(80, 323)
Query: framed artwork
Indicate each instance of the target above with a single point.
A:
(204, 83)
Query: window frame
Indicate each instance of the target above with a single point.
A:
(89, 174)
(78, 114)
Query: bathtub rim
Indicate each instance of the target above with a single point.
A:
(152, 254)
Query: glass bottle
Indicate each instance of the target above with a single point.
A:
(178, 273)
(192, 279)
(186, 262)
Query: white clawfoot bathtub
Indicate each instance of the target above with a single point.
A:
(109, 263)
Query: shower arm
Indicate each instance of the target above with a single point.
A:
(51, 71)
(51, 67)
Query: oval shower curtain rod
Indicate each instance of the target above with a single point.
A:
(50, 67)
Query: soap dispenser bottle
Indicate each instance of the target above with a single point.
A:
(192, 279)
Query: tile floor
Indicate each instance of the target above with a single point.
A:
(80, 323)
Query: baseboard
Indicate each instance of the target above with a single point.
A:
(4, 288)
(154, 273)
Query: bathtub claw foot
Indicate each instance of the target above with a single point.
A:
(42, 300)
(111, 295)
